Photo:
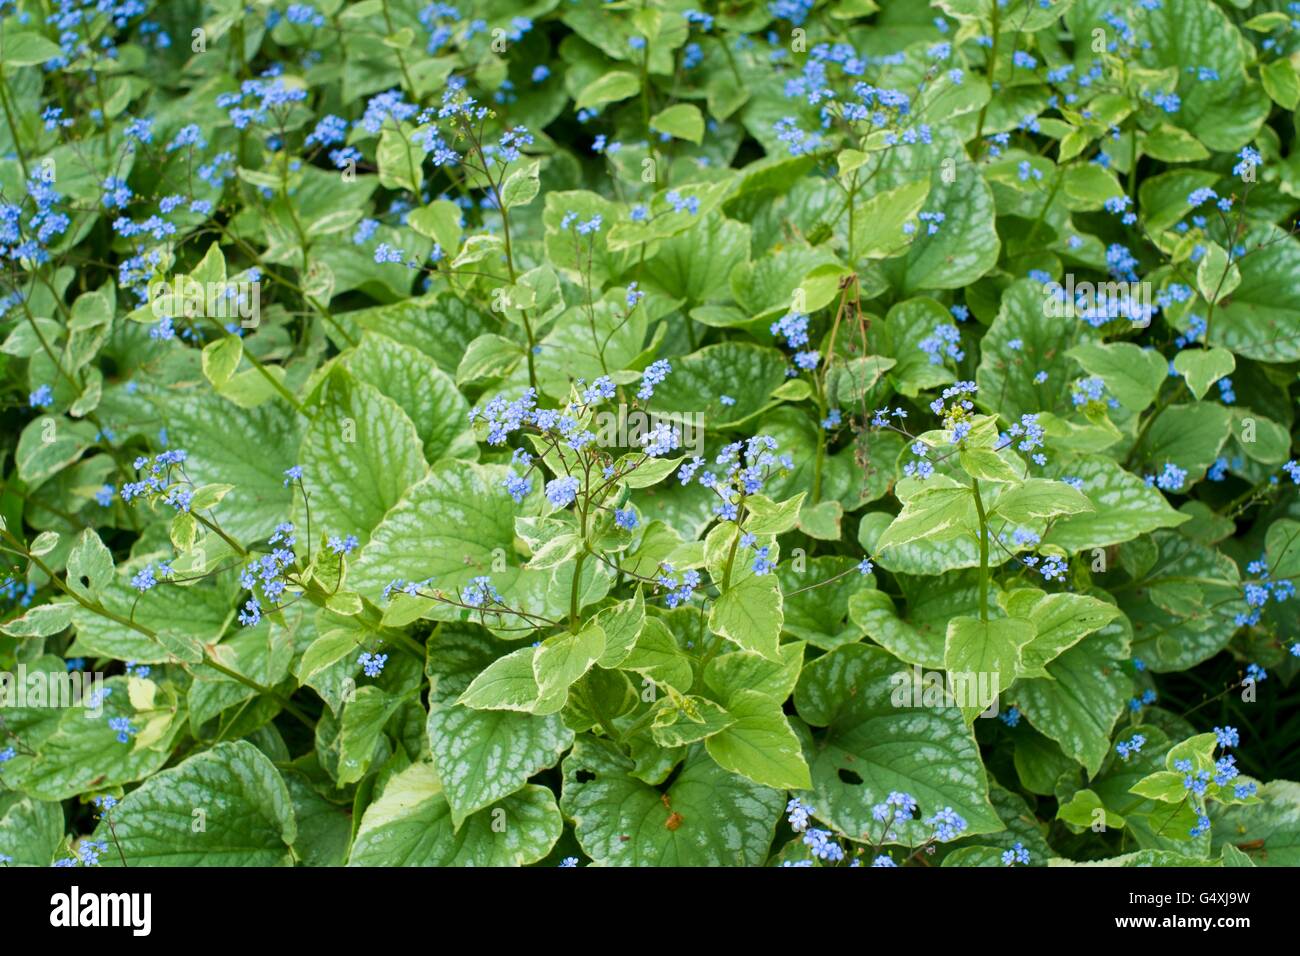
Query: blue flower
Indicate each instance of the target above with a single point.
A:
(1128, 748)
(123, 727)
(561, 492)
(1227, 736)
(653, 376)
(1017, 854)
(948, 825)
(372, 664)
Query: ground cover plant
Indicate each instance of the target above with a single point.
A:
(779, 432)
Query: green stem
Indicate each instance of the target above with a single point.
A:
(574, 590)
(993, 69)
(984, 549)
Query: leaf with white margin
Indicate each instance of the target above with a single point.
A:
(928, 752)
(1037, 498)
(482, 756)
(1124, 506)
(934, 514)
(749, 613)
(247, 814)
(508, 683)
(1061, 621)
(978, 649)
(918, 636)
(621, 821)
(411, 825)
(562, 659)
(759, 743)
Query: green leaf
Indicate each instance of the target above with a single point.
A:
(440, 221)
(411, 825)
(985, 654)
(682, 121)
(622, 624)
(1203, 367)
(221, 358)
(1079, 702)
(1123, 507)
(218, 437)
(610, 88)
(1060, 622)
(1131, 373)
(508, 683)
(41, 620)
(966, 245)
(359, 457)
(482, 756)
(1189, 436)
(90, 566)
(1038, 498)
(1280, 83)
(658, 657)
(446, 526)
(986, 464)
(933, 514)
(425, 393)
(759, 743)
(521, 185)
(749, 613)
(1187, 35)
(400, 161)
(621, 821)
(1261, 320)
(1217, 275)
(728, 674)
(870, 747)
(681, 721)
(772, 517)
(364, 718)
(31, 832)
(1082, 811)
(879, 219)
(227, 806)
(561, 660)
(27, 48)
(1269, 831)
